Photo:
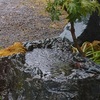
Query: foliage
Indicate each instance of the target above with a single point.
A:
(92, 50)
(0, 47)
(75, 8)
(0, 98)
(16, 48)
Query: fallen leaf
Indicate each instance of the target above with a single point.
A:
(16, 48)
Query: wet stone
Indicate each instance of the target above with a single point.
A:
(49, 71)
(28, 46)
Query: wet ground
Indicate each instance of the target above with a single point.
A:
(26, 20)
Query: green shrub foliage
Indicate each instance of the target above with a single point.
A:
(76, 9)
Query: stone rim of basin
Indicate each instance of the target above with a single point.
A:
(16, 68)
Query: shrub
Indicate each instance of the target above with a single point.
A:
(76, 9)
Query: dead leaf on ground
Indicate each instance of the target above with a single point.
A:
(16, 48)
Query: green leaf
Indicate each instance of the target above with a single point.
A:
(75, 8)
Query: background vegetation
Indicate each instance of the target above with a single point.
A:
(76, 9)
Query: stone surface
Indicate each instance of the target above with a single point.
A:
(92, 31)
(52, 73)
(79, 28)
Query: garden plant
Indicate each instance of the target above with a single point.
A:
(76, 10)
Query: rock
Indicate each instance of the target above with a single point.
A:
(79, 27)
(49, 74)
(92, 31)
(28, 46)
(37, 44)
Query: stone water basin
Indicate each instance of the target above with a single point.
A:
(49, 71)
(49, 62)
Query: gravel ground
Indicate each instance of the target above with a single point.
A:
(26, 20)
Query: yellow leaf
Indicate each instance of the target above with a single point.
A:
(16, 48)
